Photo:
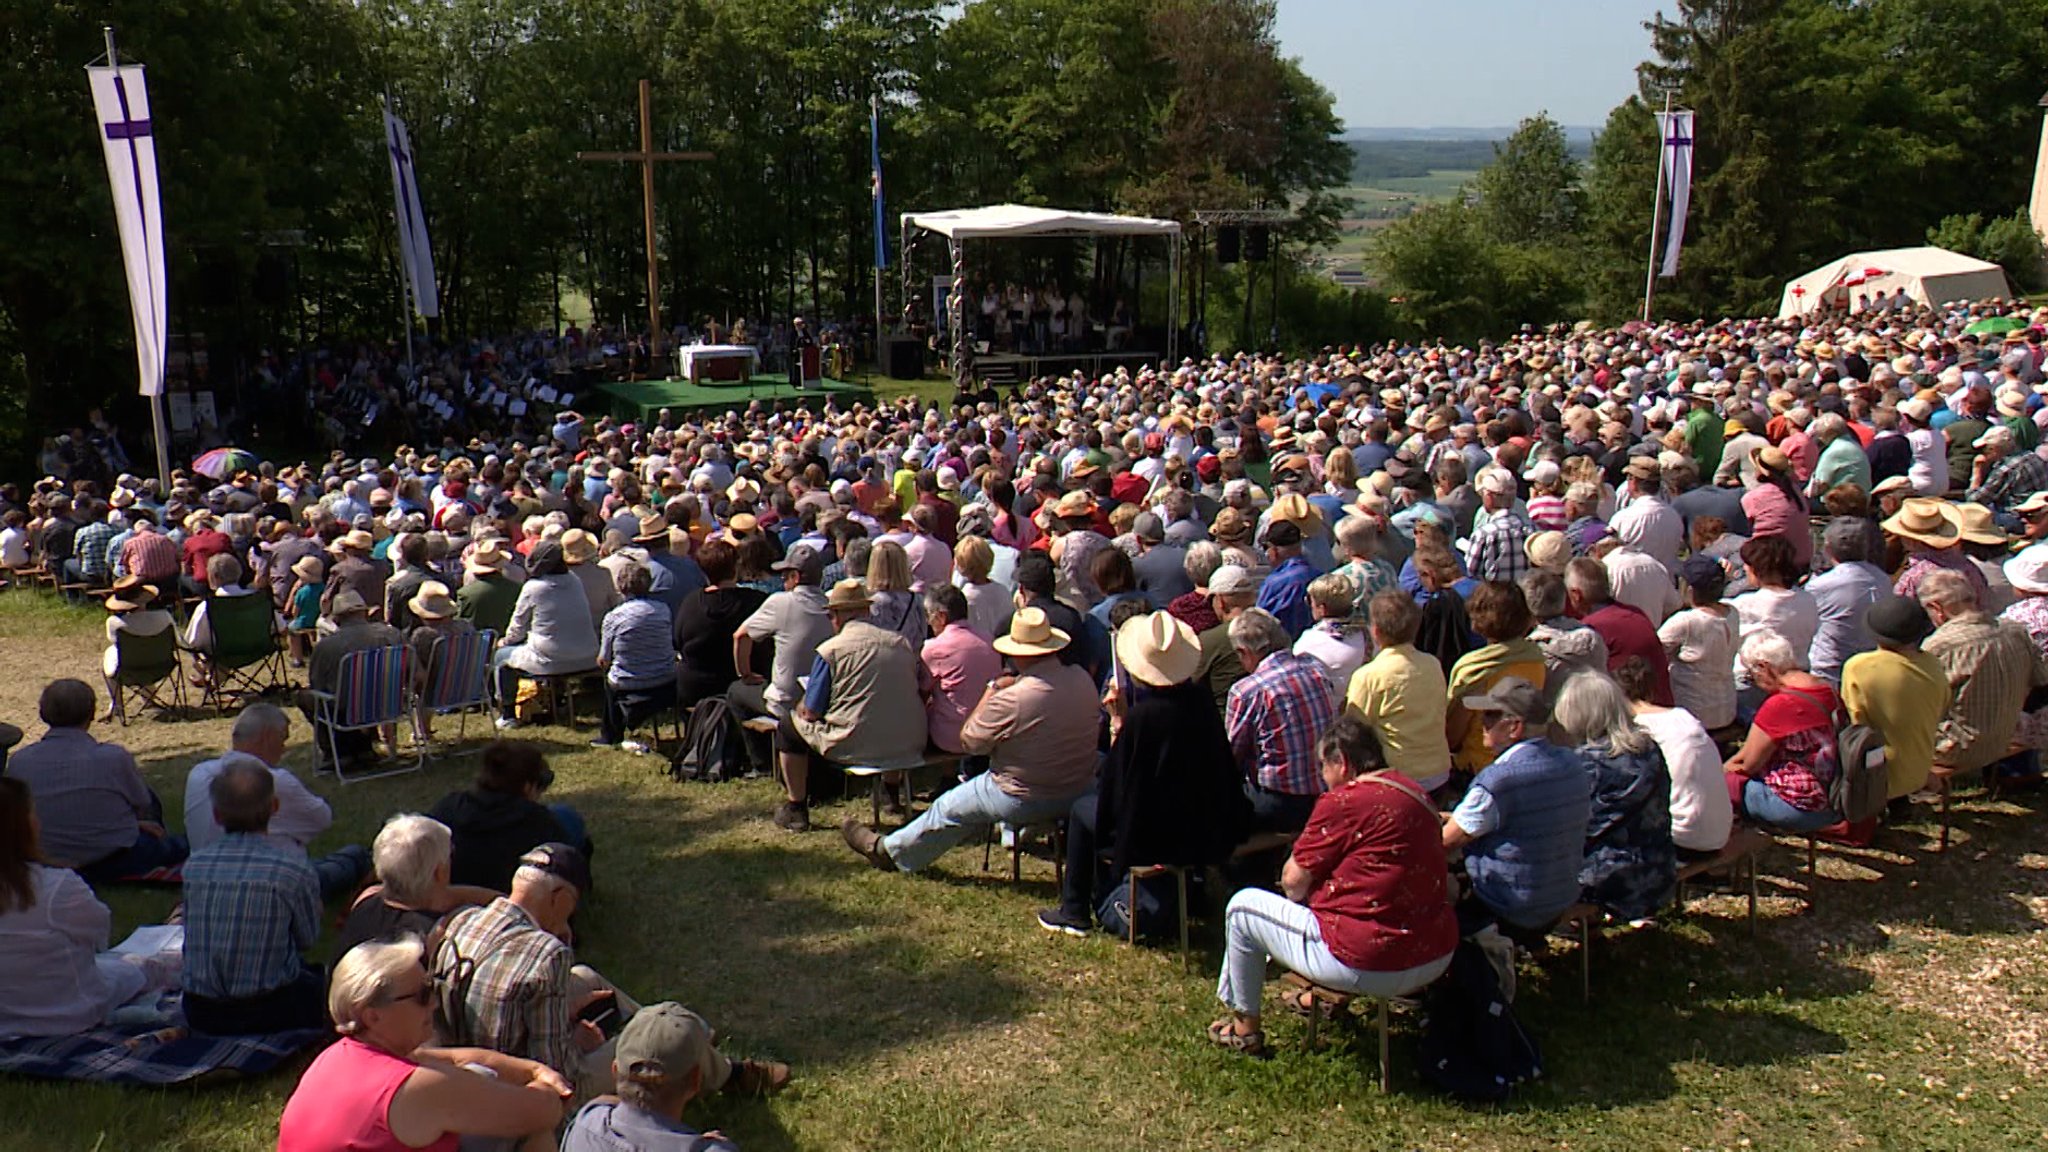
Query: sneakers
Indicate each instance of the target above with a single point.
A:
(867, 843)
(507, 723)
(756, 1078)
(635, 747)
(792, 816)
(1060, 920)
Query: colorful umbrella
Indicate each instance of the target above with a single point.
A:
(222, 463)
(1996, 324)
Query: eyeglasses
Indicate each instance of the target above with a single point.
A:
(422, 996)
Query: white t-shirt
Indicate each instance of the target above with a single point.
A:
(1700, 812)
(13, 548)
(1790, 612)
(1701, 645)
(300, 815)
(1929, 470)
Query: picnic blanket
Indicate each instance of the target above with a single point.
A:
(152, 1056)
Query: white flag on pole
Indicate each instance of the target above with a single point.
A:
(1676, 131)
(414, 253)
(124, 130)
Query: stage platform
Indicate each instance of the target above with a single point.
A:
(642, 399)
(1003, 368)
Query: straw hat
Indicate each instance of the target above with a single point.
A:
(1934, 523)
(1231, 526)
(848, 595)
(310, 569)
(1295, 509)
(1771, 457)
(131, 599)
(578, 546)
(653, 529)
(741, 526)
(431, 602)
(488, 556)
(743, 489)
(1550, 551)
(1075, 504)
(1159, 650)
(1031, 634)
(355, 541)
(1976, 525)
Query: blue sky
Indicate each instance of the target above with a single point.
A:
(1469, 63)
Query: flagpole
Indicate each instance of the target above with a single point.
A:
(1656, 214)
(875, 140)
(406, 301)
(156, 397)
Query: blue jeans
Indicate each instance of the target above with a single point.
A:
(340, 871)
(960, 812)
(1278, 811)
(139, 859)
(1766, 807)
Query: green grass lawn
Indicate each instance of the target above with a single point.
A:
(930, 1012)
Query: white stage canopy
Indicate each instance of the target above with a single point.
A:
(1930, 276)
(1010, 221)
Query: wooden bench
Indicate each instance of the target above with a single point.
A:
(1138, 872)
(1339, 1003)
(1740, 854)
(1587, 918)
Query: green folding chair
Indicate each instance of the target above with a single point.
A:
(247, 656)
(148, 672)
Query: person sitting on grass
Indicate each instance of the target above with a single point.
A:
(252, 905)
(260, 735)
(500, 815)
(1366, 908)
(1037, 727)
(414, 857)
(665, 1058)
(386, 1086)
(98, 817)
(508, 981)
(1522, 824)
(1170, 791)
(56, 976)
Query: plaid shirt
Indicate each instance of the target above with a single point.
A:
(1992, 665)
(1497, 551)
(2015, 478)
(505, 986)
(151, 555)
(252, 904)
(90, 547)
(1275, 716)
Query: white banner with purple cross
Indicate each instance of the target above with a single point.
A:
(130, 143)
(1676, 132)
(414, 253)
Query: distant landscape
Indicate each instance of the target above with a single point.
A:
(1396, 170)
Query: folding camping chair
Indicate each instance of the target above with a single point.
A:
(146, 664)
(373, 689)
(458, 681)
(248, 648)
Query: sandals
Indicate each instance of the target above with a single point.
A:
(1224, 1034)
(1305, 1003)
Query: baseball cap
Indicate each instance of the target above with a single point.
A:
(664, 1042)
(1704, 575)
(805, 561)
(561, 861)
(1231, 579)
(1512, 696)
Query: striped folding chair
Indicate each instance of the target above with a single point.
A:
(373, 689)
(458, 681)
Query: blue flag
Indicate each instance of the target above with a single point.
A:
(875, 151)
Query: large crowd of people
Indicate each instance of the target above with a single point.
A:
(1415, 645)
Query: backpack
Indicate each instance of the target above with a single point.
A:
(1862, 779)
(712, 749)
(1472, 1047)
(1156, 914)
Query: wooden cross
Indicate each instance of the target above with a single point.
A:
(647, 158)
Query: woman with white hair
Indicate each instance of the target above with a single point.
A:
(1780, 776)
(1336, 640)
(383, 1089)
(1631, 866)
(414, 856)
